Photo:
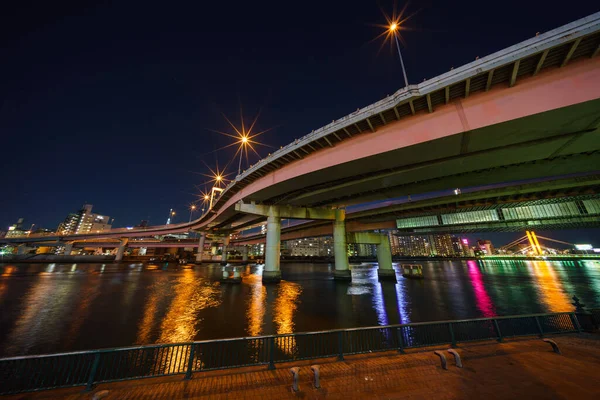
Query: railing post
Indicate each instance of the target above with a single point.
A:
(453, 340)
(271, 353)
(400, 340)
(537, 321)
(575, 322)
(93, 370)
(341, 346)
(497, 327)
(190, 367)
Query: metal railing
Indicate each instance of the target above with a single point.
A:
(86, 368)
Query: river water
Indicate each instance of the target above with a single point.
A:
(63, 307)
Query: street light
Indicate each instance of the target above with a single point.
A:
(393, 30)
(192, 209)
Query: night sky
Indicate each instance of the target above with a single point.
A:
(111, 102)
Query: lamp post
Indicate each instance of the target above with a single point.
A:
(393, 29)
(192, 209)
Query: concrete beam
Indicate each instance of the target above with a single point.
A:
(488, 84)
(571, 51)
(467, 87)
(287, 212)
(541, 61)
(364, 237)
(515, 71)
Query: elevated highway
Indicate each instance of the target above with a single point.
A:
(411, 217)
(529, 111)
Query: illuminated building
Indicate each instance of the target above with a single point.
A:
(362, 250)
(485, 246)
(442, 245)
(309, 247)
(394, 242)
(257, 249)
(84, 221)
(414, 246)
(16, 230)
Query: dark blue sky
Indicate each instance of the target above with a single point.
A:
(110, 102)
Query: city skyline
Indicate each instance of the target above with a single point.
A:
(139, 197)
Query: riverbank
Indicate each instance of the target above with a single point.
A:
(519, 368)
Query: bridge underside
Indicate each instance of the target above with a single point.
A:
(578, 196)
(553, 143)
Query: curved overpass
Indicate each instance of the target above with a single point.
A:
(529, 111)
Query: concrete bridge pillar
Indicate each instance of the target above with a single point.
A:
(121, 251)
(68, 249)
(21, 249)
(384, 259)
(224, 250)
(244, 253)
(340, 249)
(200, 252)
(272, 272)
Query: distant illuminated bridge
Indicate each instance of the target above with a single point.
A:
(527, 112)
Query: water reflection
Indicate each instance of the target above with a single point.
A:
(256, 304)
(482, 299)
(180, 323)
(549, 288)
(284, 308)
(379, 305)
(159, 290)
(403, 307)
(47, 307)
(45, 311)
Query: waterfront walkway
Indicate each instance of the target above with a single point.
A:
(515, 369)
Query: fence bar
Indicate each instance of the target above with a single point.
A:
(190, 366)
(537, 321)
(400, 340)
(341, 345)
(452, 339)
(271, 347)
(497, 328)
(90, 382)
(575, 322)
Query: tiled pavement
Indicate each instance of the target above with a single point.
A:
(518, 369)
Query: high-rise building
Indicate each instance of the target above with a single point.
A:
(394, 242)
(309, 247)
(486, 246)
(457, 247)
(84, 221)
(414, 246)
(442, 245)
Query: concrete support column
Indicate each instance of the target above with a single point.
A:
(384, 259)
(244, 253)
(271, 272)
(340, 249)
(68, 249)
(224, 250)
(121, 251)
(21, 249)
(200, 252)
